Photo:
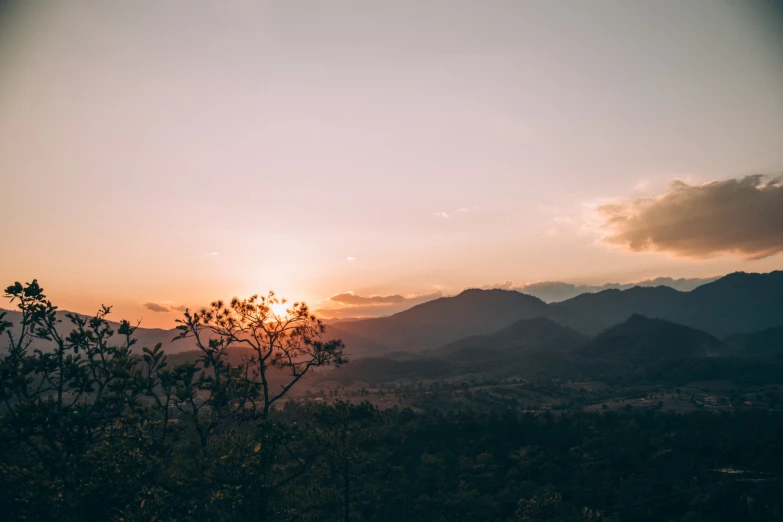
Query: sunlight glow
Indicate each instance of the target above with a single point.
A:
(280, 310)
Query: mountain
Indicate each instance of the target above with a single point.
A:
(640, 349)
(435, 323)
(527, 347)
(593, 313)
(766, 344)
(555, 291)
(523, 336)
(641, 340)
(738, 302)
(148, 337)
(352, 307)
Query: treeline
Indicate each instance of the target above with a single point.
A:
(99, 430)
(353, 462)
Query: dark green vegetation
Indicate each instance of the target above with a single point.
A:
(530, 420)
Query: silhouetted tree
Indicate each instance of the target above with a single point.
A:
(84, 406)
(287, 345)
(67, 404)
(288, 342)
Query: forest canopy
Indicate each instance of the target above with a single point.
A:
(100, 428)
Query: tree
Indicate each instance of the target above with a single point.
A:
(276, 346)
(70, 406)
(78, 407)
(289, 342)
(345, 427)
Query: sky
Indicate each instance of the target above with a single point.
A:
(156, 155)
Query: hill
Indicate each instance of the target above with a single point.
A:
(554, 291)
(435, 323)
(640, 340)
(765, 344)
(148, 337)
(640, 349)
(738, 302)
(523, 336)
(593, 313)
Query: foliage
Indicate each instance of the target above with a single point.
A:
(101, 429)
(76, 419)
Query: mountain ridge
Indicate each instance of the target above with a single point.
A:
(734, 304)
(738, 302)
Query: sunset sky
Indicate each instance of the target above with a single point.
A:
(160, 154)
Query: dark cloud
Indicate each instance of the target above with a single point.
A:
(739, 216)
(164, 308)
(353, 299)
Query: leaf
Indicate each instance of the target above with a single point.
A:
(257, 447)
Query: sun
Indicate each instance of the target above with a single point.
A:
(279, 309)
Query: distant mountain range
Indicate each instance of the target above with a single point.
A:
(432, 324)
(148, 337)
(638, 350)
(766, 343)
(641, 340)
(736, 303)
(555, 291)
(523, 336)
(548, 291)
(747, 306)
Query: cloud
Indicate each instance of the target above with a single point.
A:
(738, 216)
(353, 299)
(350, 305)
(155, 307)
(351, 259)
(164, 308)
(457, 211)
(212, 254)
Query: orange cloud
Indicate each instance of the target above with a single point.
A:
(351, 305)
(163, 308)
(353, 299)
